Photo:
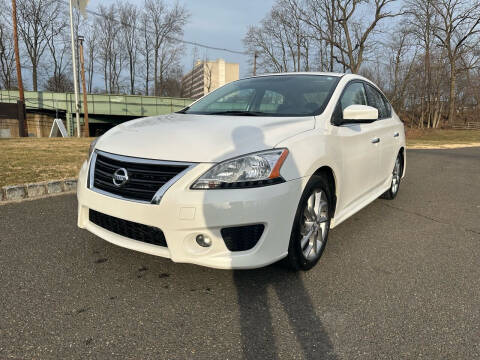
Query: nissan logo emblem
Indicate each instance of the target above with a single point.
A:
(120, 177)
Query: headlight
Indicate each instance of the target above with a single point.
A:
(92, 147)
(252, 170)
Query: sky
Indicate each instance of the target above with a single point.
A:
(218, 23)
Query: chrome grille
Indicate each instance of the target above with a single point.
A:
(145, 177)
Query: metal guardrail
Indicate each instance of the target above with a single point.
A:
(99, 104)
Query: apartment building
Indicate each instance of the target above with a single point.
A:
(207, 76)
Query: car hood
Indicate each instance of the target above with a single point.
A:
(200, 138)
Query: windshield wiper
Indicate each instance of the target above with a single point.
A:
(184, 110)
(239, 112)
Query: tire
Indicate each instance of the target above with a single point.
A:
(304, 251)
(392, 192)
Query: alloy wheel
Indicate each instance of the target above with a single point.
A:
(314, 227)
(396, 176)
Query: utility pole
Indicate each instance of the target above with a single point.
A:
(22, 121)
(255, 56)
(74, 65)
(84, 88)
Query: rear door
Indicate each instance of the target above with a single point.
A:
(359, 147)
(386, 130)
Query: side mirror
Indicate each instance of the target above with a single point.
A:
(359, 113)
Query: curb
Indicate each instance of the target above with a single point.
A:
(37, 190)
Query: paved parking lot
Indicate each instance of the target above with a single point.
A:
(399, 280)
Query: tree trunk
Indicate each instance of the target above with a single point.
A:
(155, 73)
(332, 33)
(298, 50)
(132, 78)
(420, 124)
(34, 77)
(147, 72)
(451, 106)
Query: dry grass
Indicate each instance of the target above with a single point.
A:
(438, 138)
(38, 159)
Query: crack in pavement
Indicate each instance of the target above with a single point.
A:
(443, 222)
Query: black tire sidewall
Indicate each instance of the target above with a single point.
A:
(296, 259)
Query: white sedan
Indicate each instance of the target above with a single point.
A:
(255, 172)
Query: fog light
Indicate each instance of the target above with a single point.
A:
(203, 241)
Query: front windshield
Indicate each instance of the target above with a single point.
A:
(281, 95)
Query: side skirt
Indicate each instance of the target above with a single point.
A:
(356, 207)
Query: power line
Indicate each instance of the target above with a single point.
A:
(187, 42)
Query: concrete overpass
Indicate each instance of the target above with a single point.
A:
(104, 110)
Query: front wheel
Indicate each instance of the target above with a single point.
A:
(391, 193)
(311, 225)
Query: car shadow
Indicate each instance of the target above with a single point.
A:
(256, 323)
(253, 287)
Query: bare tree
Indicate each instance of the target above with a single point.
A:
(146, 49)
(334, 29)
(165, 23)
(356, 31)
(169, 59)
(400, 67)
(7, 56)
(172, 86)
(59, 83)
(57, 40)
(90, 50)
(321, 16)
(34, 18)
(457, 32)
(421, 21)
(269, 44)
(129, 37)
(110, 52)
(281, 41)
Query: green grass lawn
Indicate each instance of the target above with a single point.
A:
(439, 137)
(26, 160)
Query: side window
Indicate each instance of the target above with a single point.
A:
(354, 94)
(375, 99)
(388, 106)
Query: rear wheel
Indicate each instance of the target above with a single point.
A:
(311, 225)
(391, 193)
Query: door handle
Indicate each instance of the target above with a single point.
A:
(396, 134)
(375, 140)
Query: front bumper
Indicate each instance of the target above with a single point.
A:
(184, 213)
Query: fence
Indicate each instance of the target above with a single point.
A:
(467, 126)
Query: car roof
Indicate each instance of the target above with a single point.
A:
(303, 73)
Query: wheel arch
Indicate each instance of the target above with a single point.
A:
(401, 152)
(328, 172)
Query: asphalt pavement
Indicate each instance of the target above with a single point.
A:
(399, 280)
